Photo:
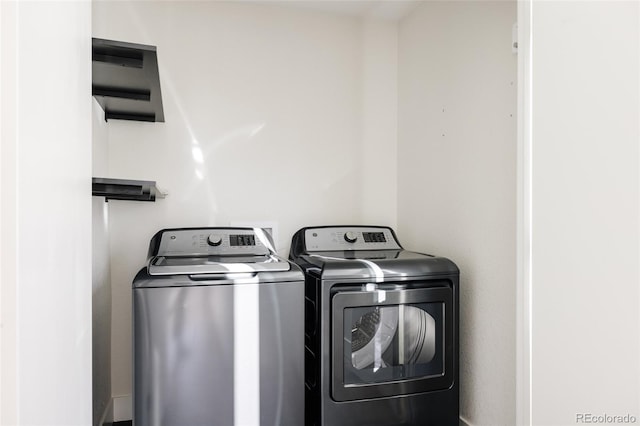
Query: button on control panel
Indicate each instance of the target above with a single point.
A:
(350, 238)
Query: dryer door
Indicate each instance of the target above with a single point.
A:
(391, 341)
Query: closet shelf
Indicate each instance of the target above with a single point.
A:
(123, 189)
(126, 81)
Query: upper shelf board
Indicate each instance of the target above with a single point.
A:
(126, 81)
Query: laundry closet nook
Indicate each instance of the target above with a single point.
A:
(298, 113)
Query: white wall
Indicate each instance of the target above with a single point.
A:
(380, 122)
(457, 180)
(8, 216)
(273, 97)
(46, 210)
(101, 276)
(585, 217)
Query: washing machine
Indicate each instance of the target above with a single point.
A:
(218, 331)
(381, 329)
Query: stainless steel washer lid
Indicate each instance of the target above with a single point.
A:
(162, 265)
(190, 251)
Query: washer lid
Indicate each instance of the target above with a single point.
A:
(225, 264)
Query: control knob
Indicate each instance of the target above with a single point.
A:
(350, 237)
(214, 240)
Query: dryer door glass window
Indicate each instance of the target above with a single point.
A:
(393, 342)
(391, 339)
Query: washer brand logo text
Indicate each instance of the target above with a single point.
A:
(604, 418)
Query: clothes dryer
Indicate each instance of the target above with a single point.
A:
(381, 329)
(218, 334)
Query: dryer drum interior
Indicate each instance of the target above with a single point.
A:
(373, 333)
(401, 339)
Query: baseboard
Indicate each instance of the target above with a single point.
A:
(122, 408)
(464, 422)
(107, 414)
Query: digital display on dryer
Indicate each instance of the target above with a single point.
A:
(242, 240)
(374, 237)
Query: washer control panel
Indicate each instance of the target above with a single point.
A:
(214, 241)
(338, 238)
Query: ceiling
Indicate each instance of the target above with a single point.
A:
(393, 10)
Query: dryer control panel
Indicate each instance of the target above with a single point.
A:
(338, 238)
(214, 241)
